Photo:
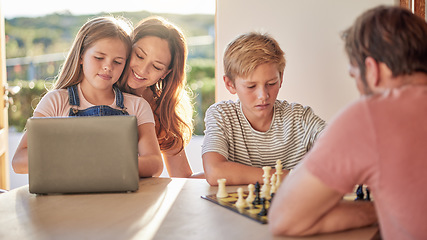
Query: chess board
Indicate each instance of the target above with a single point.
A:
(253, 211)
(230, 201)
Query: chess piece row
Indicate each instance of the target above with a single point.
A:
(271, 184)
(269, 187)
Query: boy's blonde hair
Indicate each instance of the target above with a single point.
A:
(250, 50)
(92, 31)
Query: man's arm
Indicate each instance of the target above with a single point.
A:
(304, 205)
(216, 167)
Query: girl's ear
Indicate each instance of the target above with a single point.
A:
(229, 84)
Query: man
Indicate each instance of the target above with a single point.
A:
(379, 140)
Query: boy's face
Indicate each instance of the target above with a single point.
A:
(257, 92)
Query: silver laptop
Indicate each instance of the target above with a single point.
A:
(82, 154)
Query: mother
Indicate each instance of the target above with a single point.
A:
(156, 72)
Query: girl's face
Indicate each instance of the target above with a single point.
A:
(150, 60)
(103, 63)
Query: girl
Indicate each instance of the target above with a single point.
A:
(86, 87)
(156, 72)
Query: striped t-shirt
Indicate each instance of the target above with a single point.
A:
(292, 132)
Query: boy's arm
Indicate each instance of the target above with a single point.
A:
(304, 205)
(216, 167)
(149, 159)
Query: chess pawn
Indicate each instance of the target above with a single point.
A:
(241, 203)
(222, 193)
(273, 184)
(263, 211)
(279, 167)
(257, 199)
(251, 195)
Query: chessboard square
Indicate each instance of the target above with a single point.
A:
(253, 211)
(228, 199)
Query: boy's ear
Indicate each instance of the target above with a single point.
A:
(229, 85)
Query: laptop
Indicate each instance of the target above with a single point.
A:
(82, 154)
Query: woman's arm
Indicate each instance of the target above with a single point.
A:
(20, 158)
(149, 160)
(177, 164)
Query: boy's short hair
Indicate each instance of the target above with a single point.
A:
(250, 50)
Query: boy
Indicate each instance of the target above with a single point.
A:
(257, 130)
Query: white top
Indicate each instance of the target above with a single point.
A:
(56, 104)
(292, 132)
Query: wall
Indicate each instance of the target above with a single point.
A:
(309, 33)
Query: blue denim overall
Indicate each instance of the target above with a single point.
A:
(100, 110)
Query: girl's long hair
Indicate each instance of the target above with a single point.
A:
(92, 31)
(171, 105)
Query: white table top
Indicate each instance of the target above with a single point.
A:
(162, 208)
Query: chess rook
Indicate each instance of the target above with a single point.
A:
(222, 193)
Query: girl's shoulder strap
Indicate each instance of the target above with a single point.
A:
(73, 95)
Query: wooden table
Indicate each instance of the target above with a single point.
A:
(162, 208)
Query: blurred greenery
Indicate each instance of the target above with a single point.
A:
(54, 33)
(25, 101)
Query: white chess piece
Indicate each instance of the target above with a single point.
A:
(273, 184)
(222, 193)
(266, 170)
(279, 166)
(251, 195)
(279, 173)
(265, 191)
(241, 203)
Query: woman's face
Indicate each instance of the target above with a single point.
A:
(150, 60)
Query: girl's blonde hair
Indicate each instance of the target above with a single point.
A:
(171, 105)
(92, 31)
